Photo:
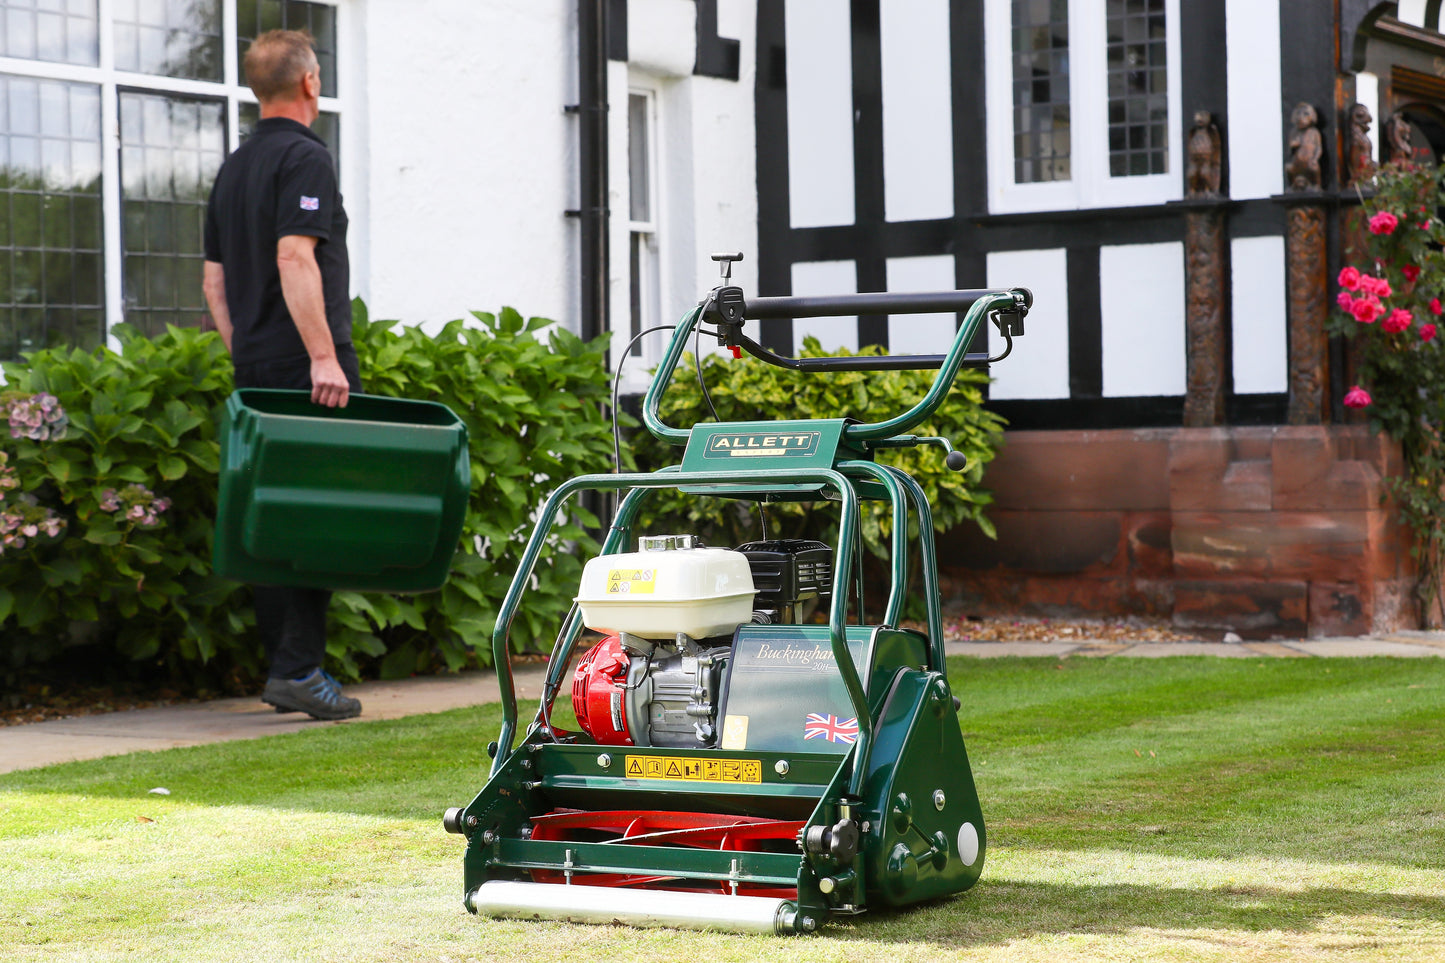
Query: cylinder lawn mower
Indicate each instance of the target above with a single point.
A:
(739, 769)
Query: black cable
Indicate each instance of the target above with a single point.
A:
(697, 360)
(616, 381)
(702, 385)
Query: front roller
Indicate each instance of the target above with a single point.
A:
(596, 904)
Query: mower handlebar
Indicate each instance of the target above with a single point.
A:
(928, 302)
(727, 308)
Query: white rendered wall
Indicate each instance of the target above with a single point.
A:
(1256, 138)
(820, 112)
(1261, 348)
(921, 333)
(1039, 365)
(917, 110)
(1141, 295)
(1367, 92)
(826, 277)
(1412, 12)
(706, 167)
(723, 139)
(469, 161)
(460, 162)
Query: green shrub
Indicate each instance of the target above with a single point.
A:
(140, 435)
(749, 390)
(108, 497)
(534, 414)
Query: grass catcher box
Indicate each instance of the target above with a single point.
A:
(370, 497)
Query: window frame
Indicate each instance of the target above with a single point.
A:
(651, 273)
(111, 82)
(1091, 185)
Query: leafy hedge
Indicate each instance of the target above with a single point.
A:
(748, 390)
(106, 509)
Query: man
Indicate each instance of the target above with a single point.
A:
(277, 283)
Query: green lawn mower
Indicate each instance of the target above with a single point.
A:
(737, 768)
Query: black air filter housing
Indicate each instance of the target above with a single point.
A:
(787, 572)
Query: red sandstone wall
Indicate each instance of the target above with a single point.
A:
(1277, 531)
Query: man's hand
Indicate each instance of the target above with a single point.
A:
(328, 383)
(213, 283)
(301, 286)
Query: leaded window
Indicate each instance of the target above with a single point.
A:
(88, 238)
(1138, 88)
(255, 17)
(1041, 90)
(51, 289)
(58, 31)
(169, 38)
(170, 150)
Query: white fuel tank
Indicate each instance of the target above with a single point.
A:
(666, 588)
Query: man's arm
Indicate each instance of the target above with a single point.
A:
(213, 283)
(301, 287)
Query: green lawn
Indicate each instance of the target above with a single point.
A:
(1173, 809)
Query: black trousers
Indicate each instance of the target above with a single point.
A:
(292, 621)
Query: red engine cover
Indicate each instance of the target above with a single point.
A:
(599, 693)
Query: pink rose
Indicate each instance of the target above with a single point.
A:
(1345, 301)
(1349, 279)
(1397, 321)
(1367, 309)
(1384, 223)
(1357, 397)
(1435, 307)
(1427, 332)
(1411, 272)
(1369, 284)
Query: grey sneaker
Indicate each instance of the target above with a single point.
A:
(318, 695)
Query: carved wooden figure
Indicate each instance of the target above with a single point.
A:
(1204, 148)
(1362, 150)
(1307, 148)
(1397, 138)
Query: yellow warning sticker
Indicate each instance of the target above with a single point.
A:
(695, 770)
(631, 581)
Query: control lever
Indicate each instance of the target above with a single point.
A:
(725, 304)
(954, 460)
(725, 264)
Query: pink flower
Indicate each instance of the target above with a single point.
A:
(1435, 308)
(1369, 284)
(1349, 279)
(1367, 309)
(1427, 332)
(1398, 320)
(1345, 301)
(1357, 397)
(1411, 272)
(1384, 223)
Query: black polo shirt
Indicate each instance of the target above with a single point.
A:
(280, 182)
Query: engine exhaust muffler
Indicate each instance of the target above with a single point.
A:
(633, 907)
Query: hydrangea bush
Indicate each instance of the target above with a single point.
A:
(1390, 309)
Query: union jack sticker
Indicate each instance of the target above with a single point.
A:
(310, 203)
(820, 725)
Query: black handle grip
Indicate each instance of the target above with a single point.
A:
(881, 302)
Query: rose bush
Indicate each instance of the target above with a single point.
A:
(1390, 305)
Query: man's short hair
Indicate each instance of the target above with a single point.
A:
(276, 61)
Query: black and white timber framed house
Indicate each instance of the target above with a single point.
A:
(1125, 159)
